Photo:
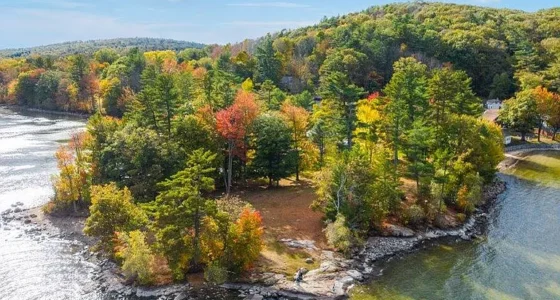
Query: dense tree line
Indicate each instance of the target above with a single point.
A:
(121, 45)
(382, 108)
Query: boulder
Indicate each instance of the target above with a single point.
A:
(270, 279)
(300, 244)
(341, 285)
(182, 296)
(355, 274)
(445, 221)
(399, 231)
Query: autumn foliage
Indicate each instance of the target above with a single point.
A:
(71, 185)
(247, 238)
(233, 123)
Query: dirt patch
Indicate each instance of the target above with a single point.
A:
(287, 214)
(286, 210)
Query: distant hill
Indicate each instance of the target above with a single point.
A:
(89, 47)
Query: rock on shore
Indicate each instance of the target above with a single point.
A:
(333, 279)
(337, 275)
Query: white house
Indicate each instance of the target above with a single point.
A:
(494, 104)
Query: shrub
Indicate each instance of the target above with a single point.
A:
(467, 198)
(137, 256)
(233, 206)
(415, 215)
(338, 234)
(216, 273)
(246, 240)
(112, 210)
(461, 217)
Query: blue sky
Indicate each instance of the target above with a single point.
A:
(26, 23)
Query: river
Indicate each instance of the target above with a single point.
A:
(518, 259)
(32, 267)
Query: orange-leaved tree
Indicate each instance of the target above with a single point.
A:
(233, 124)
(548, 107)
(247, 239)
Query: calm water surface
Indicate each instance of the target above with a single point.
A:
(519, 258)
(31, 268)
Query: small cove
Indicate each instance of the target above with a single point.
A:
(519, 258)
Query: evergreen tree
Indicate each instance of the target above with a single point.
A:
(336, 86)
(268, 65)
(181, 207)
(274, 156)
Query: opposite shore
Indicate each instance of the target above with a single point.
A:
(19, 108)
(333, 279)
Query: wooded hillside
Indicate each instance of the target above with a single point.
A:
(89, 47)
(381, 108)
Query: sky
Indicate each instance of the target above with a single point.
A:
(25, 23)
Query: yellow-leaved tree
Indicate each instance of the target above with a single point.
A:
(72, 184)
(369, 120)
(112, 210)
(297, 119)
(138, 259)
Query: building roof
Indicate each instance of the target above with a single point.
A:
(491, 114)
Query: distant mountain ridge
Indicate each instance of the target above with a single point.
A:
(89, 47)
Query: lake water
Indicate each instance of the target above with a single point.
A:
(34, 266)
(518, 259)
(30, 267)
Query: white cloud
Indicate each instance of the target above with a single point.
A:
(270, 4)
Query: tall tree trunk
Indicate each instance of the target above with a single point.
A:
(230, 166)
(348, 124)
(297, 155)
(168, 117)
(196, 241)
(396, 145)
(442, 189)
(321, 152)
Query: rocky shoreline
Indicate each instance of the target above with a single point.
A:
(334, 278)
(336, 275)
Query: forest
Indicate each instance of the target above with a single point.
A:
(380, 109)
(89, 47)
